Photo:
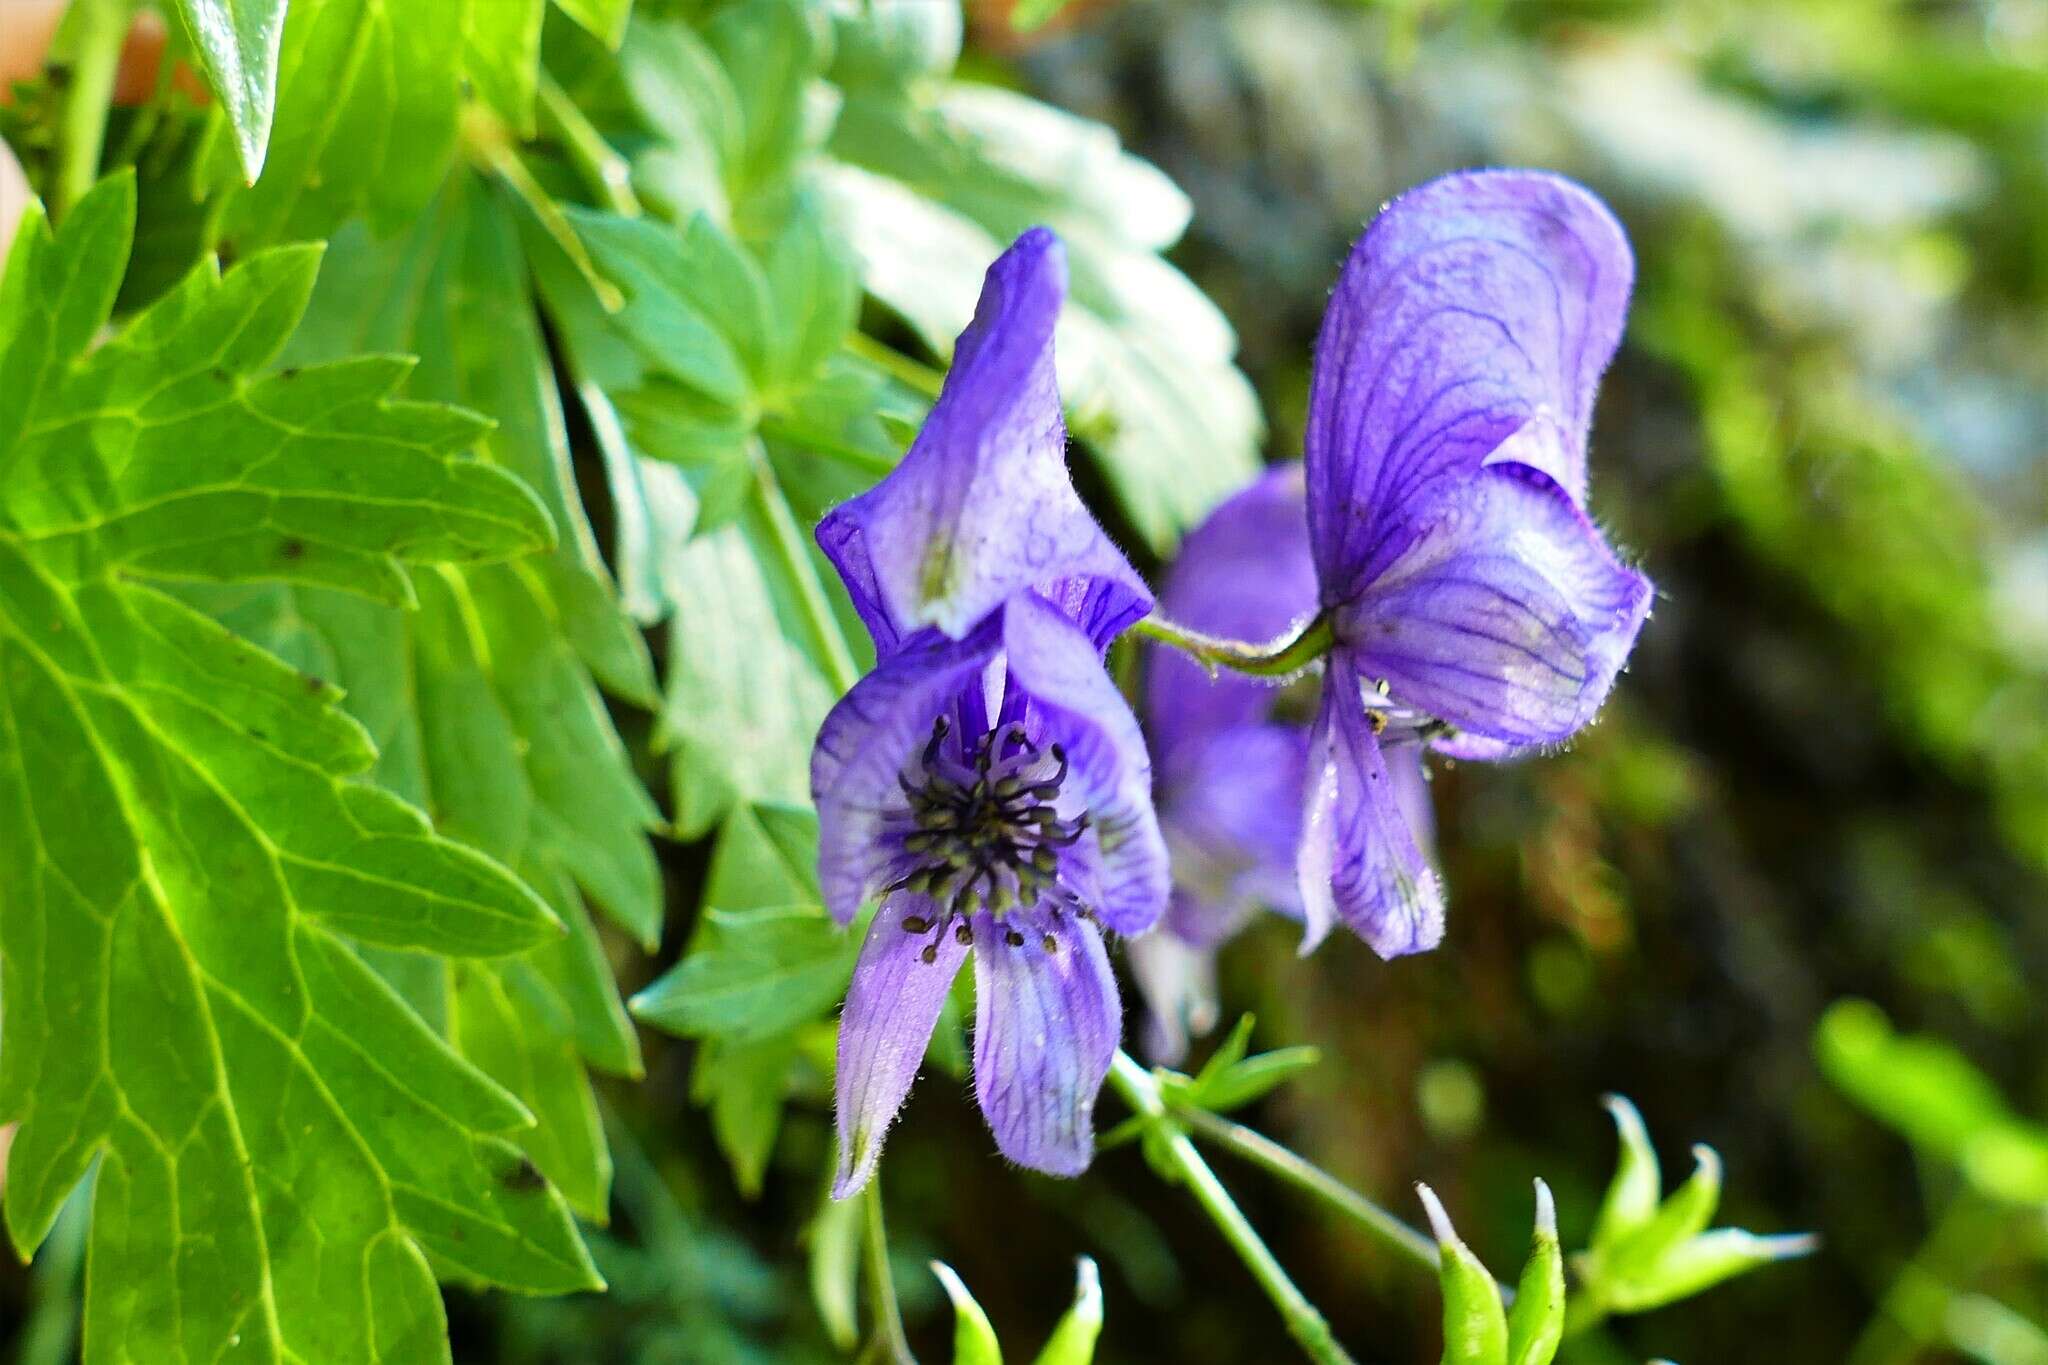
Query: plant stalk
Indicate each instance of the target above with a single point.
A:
(1280, 658)
(1303, 1174)
(1305, 1323)
(881, 1285)
(92, 37)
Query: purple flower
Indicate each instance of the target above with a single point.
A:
(986, 781)
(1474, 605)
(1229, 766)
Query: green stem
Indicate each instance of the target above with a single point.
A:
(1261, 1150)
(881, 1285)
(608, 174)
(912, 374)
(50, 1334)
(1304, 1322)
(93, 34)
(796, 557)
(1276, 659)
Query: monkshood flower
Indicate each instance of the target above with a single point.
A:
(1473, 605)
(1230, 752)
(987, 781)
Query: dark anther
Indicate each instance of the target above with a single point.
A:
(1050, 944)
(963, 933)
(915, 924)
(1014, 939)
(931, 749)
(930, 953)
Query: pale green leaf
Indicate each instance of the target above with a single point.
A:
(606, 19)
(1536, 1322)
(281, 1142)
(1073, 1337)
(1475, 1325)
(833, 1239)
(368, 97)
(237, 42)
(974, 1341)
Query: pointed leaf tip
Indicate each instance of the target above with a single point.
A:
(974, 1341)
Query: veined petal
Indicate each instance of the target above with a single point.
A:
(1071, 702)
(981, 507)
(1360, 860)
(863, 746)
(1232, 819)
(891, 1008)
(1046, 1022)
(1507, 616)
(1471, 323)
(1245, 574)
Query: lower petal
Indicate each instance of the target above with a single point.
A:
(1508, 615)
(1046, 1023)
(891, 1008)
(1360, 861)
(1070, 697)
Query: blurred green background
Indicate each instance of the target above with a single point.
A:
(1824, 778)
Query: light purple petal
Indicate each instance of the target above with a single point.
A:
(1232, 819)
(1072, 703)
(1245, 574)
(1470, 324)
(1360, 863)
(1508, 616)
(981, 507)
(863, 746)
(1177, 980)
(891, 1008)
(1045, 1026)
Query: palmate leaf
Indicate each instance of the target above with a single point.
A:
(186, 857)
(482, 703)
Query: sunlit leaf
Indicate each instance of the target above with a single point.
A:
(281, 1142)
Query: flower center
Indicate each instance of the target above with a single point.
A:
(985, 833)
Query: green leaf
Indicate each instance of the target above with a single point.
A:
(1536, 1323)
(744, 1084)
(1643, 1254)
(368, 94)
(604, 19)
(753, 973)
(974, 1341)
(1637, 1185)
(484, 705)
(190, 851)
(1073, 1338)
(501, 54)
(768, 48)
(237, 42)
(1475, 1327)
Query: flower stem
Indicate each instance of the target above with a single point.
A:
(1303, 1174)
(840, 669)
(92, 37)
(1304, 1321)
(602, 168)
(912, 374)
(1274, 659)
(881, 1285)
